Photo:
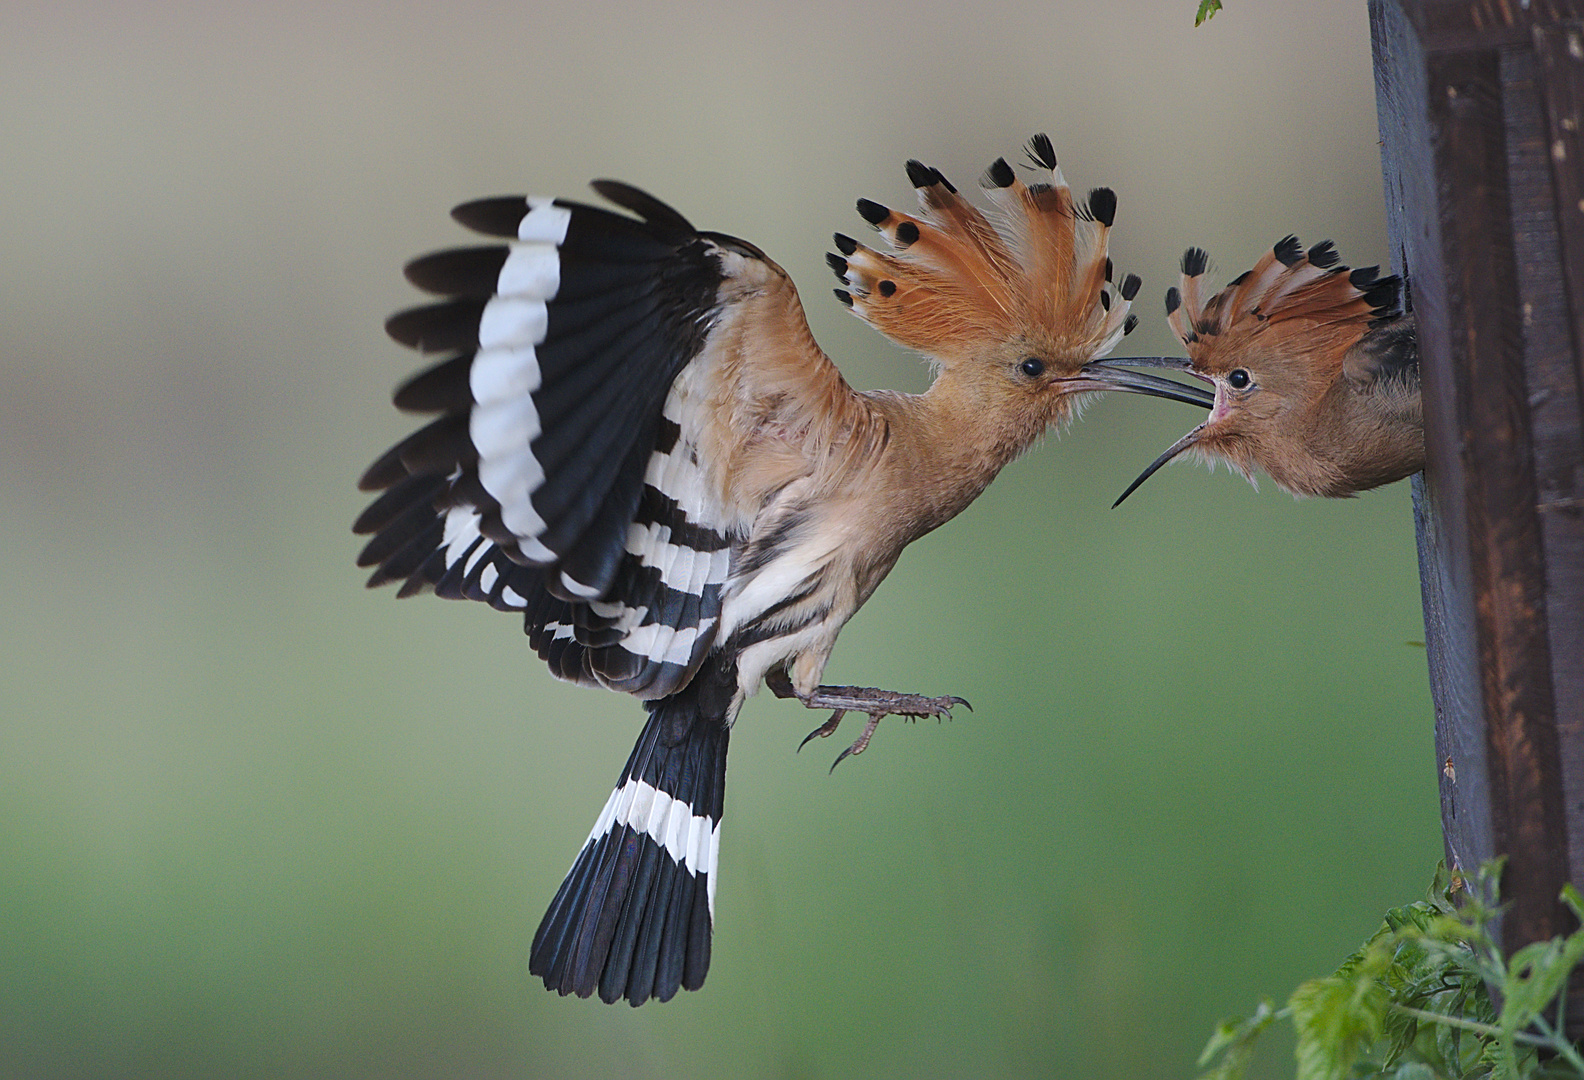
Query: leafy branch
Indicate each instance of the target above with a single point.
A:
(1412, 1003)
(1207, 9)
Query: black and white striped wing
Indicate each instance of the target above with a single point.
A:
(561, 477)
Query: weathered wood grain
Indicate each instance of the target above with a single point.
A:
(1479, 104)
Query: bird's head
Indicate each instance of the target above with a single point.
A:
(1012, 307)
(1272, 344)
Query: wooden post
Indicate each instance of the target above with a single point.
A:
(1482, 138)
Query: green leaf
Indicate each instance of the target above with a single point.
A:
(1412, 1002)
(1535, 976)
(1225, 1035)
(1402, 1031)
(1449, 1044)
(1337, 1019)
(1571, 897)
(1207, 8)
(1234, 1039)
(1414, 1070)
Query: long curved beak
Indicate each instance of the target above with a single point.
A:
(1170, 452)
(1179, 363)
(1098, 375)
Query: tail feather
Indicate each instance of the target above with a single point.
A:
(634, 916)
(552, 942)
(636, 954)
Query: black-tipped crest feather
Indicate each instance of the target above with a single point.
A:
(1288, 251)
(921, 175)
(872, 212)
(1041, 152)
(1102, 205)
(1324, 255)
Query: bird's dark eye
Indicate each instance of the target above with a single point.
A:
(1239, 379)
(1033, 367)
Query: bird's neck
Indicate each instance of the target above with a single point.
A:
(1371, 435)
(946, 446)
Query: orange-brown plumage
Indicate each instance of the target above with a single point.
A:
(638, 446)
(1315, 369)
(963, 288)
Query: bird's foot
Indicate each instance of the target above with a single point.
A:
(868, 699)
(876, 703)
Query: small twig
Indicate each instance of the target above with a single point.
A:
(1557, 1042)
(1488, 1030)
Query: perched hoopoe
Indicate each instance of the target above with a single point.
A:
(1315, 368)
(641, 448)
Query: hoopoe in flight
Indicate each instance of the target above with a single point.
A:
(641, 449)
(1315, 369)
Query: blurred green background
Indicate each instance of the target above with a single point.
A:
(256, 821)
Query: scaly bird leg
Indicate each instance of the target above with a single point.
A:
(865, 699)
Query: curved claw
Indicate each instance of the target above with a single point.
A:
(861, 743)
(826, 729)
(944, 706)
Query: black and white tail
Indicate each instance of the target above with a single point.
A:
(634, 916)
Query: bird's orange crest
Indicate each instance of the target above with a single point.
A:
(958, 281)
(1292, 302)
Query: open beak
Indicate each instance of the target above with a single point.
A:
(1100, 375)
(1170, 452)
(1200, 396)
